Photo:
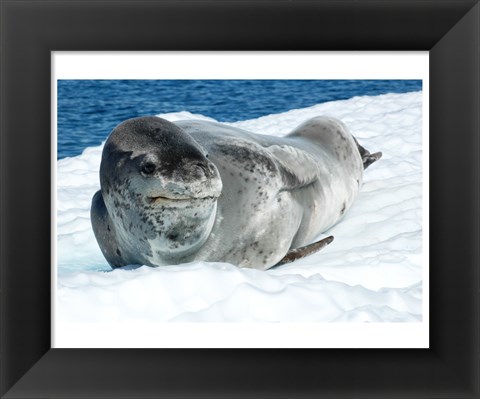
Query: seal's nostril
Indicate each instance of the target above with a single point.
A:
(204, 168)
(211, 169)
(208, 168)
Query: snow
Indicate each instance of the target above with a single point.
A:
(372, 272)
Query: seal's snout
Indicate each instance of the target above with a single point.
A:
(207, 169)
(189, 179)
(202, 179)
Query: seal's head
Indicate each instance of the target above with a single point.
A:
(159, 188)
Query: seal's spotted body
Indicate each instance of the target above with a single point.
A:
(196, 190)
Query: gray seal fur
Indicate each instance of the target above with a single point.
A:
(195, 190)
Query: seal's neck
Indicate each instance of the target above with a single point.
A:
(183, 234)
(165, 231)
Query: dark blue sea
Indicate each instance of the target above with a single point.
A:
(88, 110)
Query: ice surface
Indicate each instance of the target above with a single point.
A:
(372, 272)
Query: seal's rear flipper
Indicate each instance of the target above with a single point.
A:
(299, 253)
(368, 159)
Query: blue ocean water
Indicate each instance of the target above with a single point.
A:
(88, 110)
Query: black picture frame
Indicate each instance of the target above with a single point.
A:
(30, 30)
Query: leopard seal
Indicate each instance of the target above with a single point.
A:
(177, 192)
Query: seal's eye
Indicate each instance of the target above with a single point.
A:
(148, 168)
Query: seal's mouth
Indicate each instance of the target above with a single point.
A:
(182, 193)
(161, 199)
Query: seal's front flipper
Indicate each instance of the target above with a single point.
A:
(299, 253)
(104, 231)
